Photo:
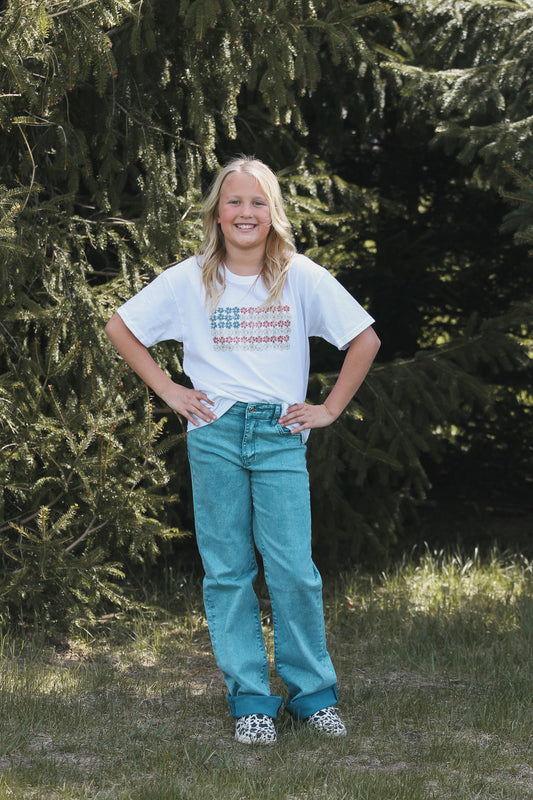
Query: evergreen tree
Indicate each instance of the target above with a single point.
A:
(466, 82)
(110, 114)
(114, 116)
(84, 485)
(470, 73)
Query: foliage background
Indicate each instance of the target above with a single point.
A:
(401, 133)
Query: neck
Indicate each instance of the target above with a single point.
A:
(245, 262)
(244, 267)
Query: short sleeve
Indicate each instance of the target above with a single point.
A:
(331, 311)
(153, 314)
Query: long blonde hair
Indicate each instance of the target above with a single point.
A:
(279, 244)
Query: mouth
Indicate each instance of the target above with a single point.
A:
(245, 226)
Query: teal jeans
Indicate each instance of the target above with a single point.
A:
(251, 486)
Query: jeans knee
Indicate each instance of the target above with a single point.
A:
(293, 578)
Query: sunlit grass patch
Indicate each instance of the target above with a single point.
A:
(454, 583)
(441, 582)
(446, 594)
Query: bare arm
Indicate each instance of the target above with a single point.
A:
(358, 360)
(179, 398)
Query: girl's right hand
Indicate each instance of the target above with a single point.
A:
(189, 403)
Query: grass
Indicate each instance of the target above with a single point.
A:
(434, 661)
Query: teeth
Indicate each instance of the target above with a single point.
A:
(245, 227)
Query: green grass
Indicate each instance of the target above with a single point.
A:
(434, 661)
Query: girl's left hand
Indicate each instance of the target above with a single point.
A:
(307, 416)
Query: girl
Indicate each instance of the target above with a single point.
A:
(244, 309)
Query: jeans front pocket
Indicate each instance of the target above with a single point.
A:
(287, 433)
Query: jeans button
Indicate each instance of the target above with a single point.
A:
(251, 409)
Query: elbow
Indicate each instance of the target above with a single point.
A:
(376, 343)
(111, 327)
(367, 342)
(371, 341)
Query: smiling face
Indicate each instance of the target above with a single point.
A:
(243, 215)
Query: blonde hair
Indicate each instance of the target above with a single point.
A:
(279, 247)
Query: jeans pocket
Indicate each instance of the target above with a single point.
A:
(286, 433)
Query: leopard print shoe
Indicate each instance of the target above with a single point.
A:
(255, 729)
(326, 721)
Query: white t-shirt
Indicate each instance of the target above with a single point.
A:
(244, 351)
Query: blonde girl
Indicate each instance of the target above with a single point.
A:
(244, 309)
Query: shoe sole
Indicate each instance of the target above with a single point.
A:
(248, 740)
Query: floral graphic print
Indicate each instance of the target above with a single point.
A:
(256, 328)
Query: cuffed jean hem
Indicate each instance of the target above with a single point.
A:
(244, 704)
(305, 706)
